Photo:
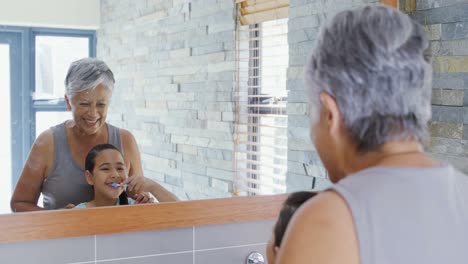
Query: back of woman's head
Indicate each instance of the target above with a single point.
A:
(86, 74)
(290, 206)
(373, 61)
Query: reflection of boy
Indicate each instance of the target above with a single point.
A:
(290, 206)
(105, 170)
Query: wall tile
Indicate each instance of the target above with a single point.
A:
(448, 14)
(446, 130)
(51, 251)
(236, 255)
(455, 31)
(447, 97)
(215, 236)
(182, 258)
(144, 243)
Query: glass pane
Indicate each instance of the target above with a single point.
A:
(45, 120)
(5, 127)
(275, 57)
(53, 57)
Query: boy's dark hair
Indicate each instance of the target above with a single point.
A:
(89, 164)
(290, 206)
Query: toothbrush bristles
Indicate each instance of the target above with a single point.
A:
(118, 185)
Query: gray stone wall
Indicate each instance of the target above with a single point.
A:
(174, 63)
(446, 22)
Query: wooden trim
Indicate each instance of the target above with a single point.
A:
(408, 6)
(273, 14)
(393, 3)
(120, 219)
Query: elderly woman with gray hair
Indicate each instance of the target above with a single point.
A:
(55, 166)
(369, 86)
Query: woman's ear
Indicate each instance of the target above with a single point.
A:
(276, 250)
(331, 113)
(89, 177)
(68, 101)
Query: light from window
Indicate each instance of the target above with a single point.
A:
(45, 120)
(261, 119)
(53, 57)
(5, 127)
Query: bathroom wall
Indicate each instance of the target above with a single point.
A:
(174, 62)
(227, 244)
(446, 22)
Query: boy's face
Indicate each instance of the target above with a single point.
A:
(109, 168)
(271, 249)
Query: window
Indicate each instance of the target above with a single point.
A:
(53, 51)
(33, 65)
(261, 119)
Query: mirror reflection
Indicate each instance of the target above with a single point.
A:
(202, 99)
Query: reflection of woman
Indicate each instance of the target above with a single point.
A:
(369, 83)
(55, 166)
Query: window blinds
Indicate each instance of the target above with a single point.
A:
(261, 96)
(257, 11)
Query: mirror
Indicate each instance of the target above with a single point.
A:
(175, 67)
(204, 97)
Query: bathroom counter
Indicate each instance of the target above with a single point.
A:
(120, 219)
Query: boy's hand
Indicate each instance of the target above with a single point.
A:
(137, 184)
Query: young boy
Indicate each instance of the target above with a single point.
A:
(290, 206)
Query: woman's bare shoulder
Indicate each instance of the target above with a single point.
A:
(327, 206)
(126, 135)
(40, 157)
(45, 140)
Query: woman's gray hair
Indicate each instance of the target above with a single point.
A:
(86, 74)
(373, 61)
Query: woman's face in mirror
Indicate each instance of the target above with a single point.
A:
(89, 109)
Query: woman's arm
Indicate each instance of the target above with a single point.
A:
(132, 153)
(161, 193)
(29, 185)
(321, 231)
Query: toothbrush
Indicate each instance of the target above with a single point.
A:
(116, 185)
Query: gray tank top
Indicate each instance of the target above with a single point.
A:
(66, 182)
(409, 215)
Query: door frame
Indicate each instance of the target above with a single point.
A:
(22, 83)
(17, 38)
